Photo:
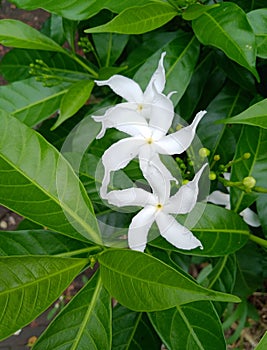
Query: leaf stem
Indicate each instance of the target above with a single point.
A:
(258, 240)
(81, 63)
(79, 251)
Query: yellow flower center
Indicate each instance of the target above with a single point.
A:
(149, 140)
(140, 108)
(159, 206)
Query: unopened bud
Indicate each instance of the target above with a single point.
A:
(212, 176)
(249, 182)
(217, 157)
(204, 152)
(246, 155)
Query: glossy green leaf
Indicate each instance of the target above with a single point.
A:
(144, 283)
(192, 326)
(180, 60)
(38, 183)
(223, 275)
(109, 47)
(77, 10)
(31, 284)
(132, 330)
(250, 141)
(15, 65)
(195, 10)
(85, 323)
(53, 28)
(255, 115)
(221, 140)
(73, 100)
(36, 242)
(29, 101)
(18, 34)
(227, 28)
(220, 231)
(263, 343)
(196, 87)
(138, 19)
(249, 274)
(236, 73)
(258, 21)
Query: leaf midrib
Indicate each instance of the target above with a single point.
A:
(86, 317)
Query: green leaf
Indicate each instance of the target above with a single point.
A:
(138, 19)
(190, 99)
(132, 330)
(144, 283)
(18, 34)
(73, 100)
(30, 285)
(263, 343)
(109, 47)
(77, 10)
(181, 58)
(249, 275)
(223, 275)
(221, 232)
(195, 10)
(29, 101)
(37, 182)
(258, 22)
(192, 326)
(53, 28)
(221, 140)
(227, 28)
(15, 65)
(36, 242)
(85, 323)
(255, 115)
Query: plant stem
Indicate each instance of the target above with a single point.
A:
(259, 189)
(79, 251)
(258, 240)
(81, 63)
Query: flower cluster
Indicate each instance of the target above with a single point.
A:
(146, 117)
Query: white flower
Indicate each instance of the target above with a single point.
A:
(146, 103)
(158, 206)
(146, 117)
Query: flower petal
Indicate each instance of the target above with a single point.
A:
(157, 79)
(139, 228)
(161, 114)
(123, 117)
(219, 198)
(117, 156)
(179, 141)
(131, 196)
(124, 87)
(157, 175)
(175, 233)
(250, 217)
(186, 197)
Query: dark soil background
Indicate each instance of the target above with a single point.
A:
(250, 335)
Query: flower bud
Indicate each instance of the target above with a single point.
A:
(217, 157)
(246, 155)
(249, 182)
(204, 152)
(212, 175)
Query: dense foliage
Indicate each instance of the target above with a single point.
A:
(51, 171)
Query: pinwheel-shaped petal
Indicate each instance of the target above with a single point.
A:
(158, 207)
